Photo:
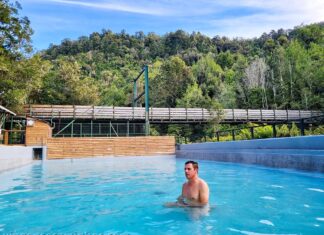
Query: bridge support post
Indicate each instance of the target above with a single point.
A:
(72, 129)
(146, 98)
(147, 117)
(91, 128)
(274, 131)
(252, 132)
(302, 127)
(233, 134)
(81, 134)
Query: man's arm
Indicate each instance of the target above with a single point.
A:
(204, 193)
(181, 198)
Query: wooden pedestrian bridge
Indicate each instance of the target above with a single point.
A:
(165, 115)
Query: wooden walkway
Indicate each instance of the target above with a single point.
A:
(163, 115)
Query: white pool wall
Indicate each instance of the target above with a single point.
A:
(303, 153)
(12, 157)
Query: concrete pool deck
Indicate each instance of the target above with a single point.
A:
(302, 153)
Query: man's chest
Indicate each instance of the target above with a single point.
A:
(191, 192)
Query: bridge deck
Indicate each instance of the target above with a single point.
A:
(160, 115)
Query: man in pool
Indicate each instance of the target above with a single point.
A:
(195, 192)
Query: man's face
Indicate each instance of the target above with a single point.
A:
(190, 172)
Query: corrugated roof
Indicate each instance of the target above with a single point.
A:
(4, 110)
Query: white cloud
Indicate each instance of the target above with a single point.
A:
(304, 8)
(173, 8)
(116, 6)
(267, 15)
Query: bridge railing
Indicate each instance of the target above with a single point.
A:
(164, 114)
(303, 126)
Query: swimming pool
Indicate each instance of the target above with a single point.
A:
(125, 196)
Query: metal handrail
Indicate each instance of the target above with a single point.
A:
(301, 121)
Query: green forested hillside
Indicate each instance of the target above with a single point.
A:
(281, 69)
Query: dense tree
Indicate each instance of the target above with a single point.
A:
(171, 83)
(15, 31)
(208, 76)
(19, 77)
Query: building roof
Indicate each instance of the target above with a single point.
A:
(4, 110)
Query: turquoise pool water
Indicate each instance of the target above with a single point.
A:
(125, 196)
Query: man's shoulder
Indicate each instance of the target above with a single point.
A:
(203, 183)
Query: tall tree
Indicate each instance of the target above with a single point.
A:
(15, 31)
(208, 76)
(171, 83)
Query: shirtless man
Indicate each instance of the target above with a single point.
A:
(195, 192)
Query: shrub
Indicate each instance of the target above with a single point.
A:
(283, 131)
(263, 132)
(294, 130)
(319, 130)
(315, 131)
(244, 134)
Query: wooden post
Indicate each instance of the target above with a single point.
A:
(6, 137)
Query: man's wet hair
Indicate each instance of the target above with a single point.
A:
(194, 164)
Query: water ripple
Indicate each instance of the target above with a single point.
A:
(268, 198)
(316, 190)
(254, 233)
(267, 222)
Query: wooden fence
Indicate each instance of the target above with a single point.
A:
(118, 146)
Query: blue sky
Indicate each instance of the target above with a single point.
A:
(55, 20)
